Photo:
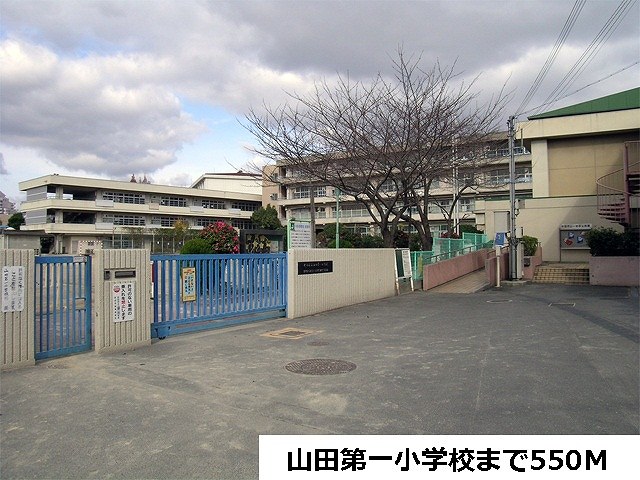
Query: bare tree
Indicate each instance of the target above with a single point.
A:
(381, 143)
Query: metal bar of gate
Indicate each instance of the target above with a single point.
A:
(63, 305)
(226, 288)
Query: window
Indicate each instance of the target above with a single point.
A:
(246, 206)
(303, 192)
(214, 204)
(206, 221)
(467, 204)
(498, 177)
(124, 197)
(437, 207)
(124, 220)
(242, 224)
(351, 211)
(170, 201)
(165, 221)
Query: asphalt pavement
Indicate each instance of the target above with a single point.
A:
(535, 359)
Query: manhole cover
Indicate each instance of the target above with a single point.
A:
(320, 366)
(318, 343)
(498, 301)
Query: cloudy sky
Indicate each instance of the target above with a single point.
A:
(106, 88)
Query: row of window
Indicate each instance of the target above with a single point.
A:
(354, 211)
(166, 221)
(492, 178)
(175, 201)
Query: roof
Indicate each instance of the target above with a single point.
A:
(626, 100)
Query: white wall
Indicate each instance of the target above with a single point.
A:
(115, 336)
(17, 346)
(359, 275)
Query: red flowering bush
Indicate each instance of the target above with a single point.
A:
(222, 237)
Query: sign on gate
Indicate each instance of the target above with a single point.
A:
(123, 301)
(188, 284)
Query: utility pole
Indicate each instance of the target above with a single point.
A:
(312, 214)
(513, 241)
(337, 193)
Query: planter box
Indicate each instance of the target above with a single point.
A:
(530, 264)
(614, 271)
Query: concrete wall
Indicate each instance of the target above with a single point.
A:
(534, 261)
(359, 275)
(17, 347)
(111, 335)
(491, 266)
(542, 217)
(447, 270)
(614, 271)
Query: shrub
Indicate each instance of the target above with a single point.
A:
(530, 245)
(196, 246)
(607, 242)
(370, 241)
(468, 228)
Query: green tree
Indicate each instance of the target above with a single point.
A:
(16, 220)
(267, 218)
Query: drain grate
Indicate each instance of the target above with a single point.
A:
(320, 366)
(292, 333)
(499, 301)
(562, 304)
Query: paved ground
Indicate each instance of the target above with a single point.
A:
(538, 359)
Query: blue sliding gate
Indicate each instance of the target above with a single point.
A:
(62, 305)
(197, 292)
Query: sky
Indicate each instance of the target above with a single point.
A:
(107, 89)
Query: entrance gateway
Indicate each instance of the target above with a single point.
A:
(62, 305)
(198, 292)
(190, 292)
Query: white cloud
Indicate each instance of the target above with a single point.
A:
(96, 87)
(80, 116)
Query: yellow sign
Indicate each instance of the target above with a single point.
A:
(188, 284)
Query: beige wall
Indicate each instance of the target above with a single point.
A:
(115, 336)
(575, 164)
(542, 217)
(359, 275)
(17, 348)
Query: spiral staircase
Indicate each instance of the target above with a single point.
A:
(619, 192)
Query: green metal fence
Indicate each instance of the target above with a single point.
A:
(446, 248)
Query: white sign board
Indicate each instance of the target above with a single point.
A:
(12, 289)
(123, 301)
(299, 234)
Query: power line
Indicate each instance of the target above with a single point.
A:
(591, 51)
(564, 33)
(583, 87)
